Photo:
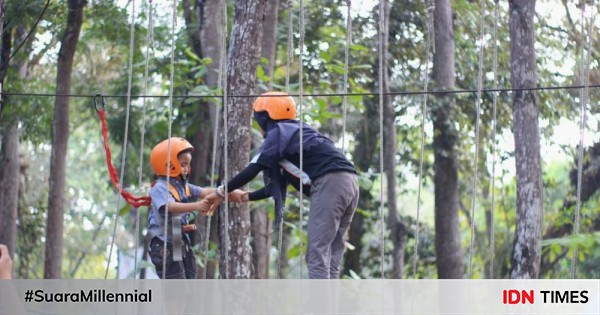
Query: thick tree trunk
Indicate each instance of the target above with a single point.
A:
(527, 248)
(204, 26)
(9, 154)
(60, 137)
(9, 185)
(244, 53)
(261, 240)
(261, 243)
(447, 235)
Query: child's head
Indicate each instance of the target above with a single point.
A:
(178, 160)
(274, 106)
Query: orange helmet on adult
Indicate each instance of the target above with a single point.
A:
(159, 158)
(278, 105)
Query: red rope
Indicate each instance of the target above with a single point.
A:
(136, 202)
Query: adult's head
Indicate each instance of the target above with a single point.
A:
(273, 106)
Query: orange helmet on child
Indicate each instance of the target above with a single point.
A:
(279, 105)
(159, 158)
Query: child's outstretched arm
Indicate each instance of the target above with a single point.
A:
(181, 207)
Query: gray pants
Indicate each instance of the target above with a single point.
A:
(333, 200)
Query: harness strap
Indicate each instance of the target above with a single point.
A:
(176, 231)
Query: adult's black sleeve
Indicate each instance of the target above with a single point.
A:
(258, 194)
(244, 177)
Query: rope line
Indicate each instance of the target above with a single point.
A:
(381, 94)
(345, 83)
(399, 93)
(300, 109)
(494, 146)
(126, 132)
(477, 123)
(222, 57)
(169, 125)
(428, 43)
(290, 44)
(149, 39)
(584, 92)
(225, 146)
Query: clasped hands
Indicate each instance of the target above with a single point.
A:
(213, 200)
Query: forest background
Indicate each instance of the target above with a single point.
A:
(459, 182)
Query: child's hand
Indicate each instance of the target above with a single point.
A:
(212, 202)
(238, 196)
(203, 206)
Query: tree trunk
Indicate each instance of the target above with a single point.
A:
(269, 40)
(204, 24)
(364, 153)
(9, 185)
(397, 228)
(261, 243)
(60, 137)
(527, 248)
(261, 240)
(9, 154)
(205, 29)
(244, 53)
(447, 235)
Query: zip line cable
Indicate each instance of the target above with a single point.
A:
(398, 93)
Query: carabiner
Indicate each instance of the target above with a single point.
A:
(103, 102)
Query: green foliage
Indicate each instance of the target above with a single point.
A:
(102, 66)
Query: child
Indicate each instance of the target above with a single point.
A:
(328, 178)
(180, 198)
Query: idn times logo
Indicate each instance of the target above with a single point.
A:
(544, 296)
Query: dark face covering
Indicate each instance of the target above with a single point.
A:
(262, 118)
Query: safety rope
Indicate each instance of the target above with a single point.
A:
(215, 135)
(226, 140)
(169, 125)
(381, 26)
(345, 83)
(149, 43)
(429, 45)
(290, 44)
(300, 112)
(494, 146)
(477, 123)
(126, 132)
(584, 92)
(131, 199)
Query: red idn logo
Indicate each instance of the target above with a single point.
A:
(516, 296)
